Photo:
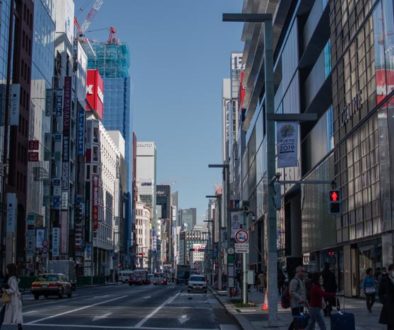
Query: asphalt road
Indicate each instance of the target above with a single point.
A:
(124, 307)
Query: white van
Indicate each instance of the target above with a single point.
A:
(124, 275)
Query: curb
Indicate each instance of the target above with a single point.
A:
(242, 321)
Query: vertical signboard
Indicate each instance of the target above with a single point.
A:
(40, 237)
(287, 144)
(64, 232)
(66, 132)
(11, 212)
(55, 241)
(237, 222)
(15, 104)
(95, 93)
(81, 132)
(95, 202)
(59, 102)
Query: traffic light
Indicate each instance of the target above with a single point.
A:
(335, 201)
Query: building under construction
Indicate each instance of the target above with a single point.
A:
(112, 59)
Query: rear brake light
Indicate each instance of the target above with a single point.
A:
(54, 285)
(36, 285)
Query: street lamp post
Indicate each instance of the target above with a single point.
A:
(226, 202)
(270, 157)
(220, 284)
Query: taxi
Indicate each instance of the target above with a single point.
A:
(51, 284)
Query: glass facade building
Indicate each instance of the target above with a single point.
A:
(335, 59)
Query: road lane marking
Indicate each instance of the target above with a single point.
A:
(183, 319)
(49, 325)
(74, 310)
(30, 312)
(100, 317)
(147, 297)
(146, 318)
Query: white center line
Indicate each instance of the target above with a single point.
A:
(146, 318)
(74, 310)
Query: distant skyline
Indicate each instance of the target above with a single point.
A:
(180, 53)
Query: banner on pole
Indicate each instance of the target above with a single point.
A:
(287, 144)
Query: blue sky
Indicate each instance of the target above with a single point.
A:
(180, 52)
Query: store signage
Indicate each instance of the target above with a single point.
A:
(15, 104)
(287, 144)
(34, 145)
(350, 109)
(55, 241)
(65, 176)
(95, 202)
(64, 200)
(56, 202)
(11, 212)
(33, 156)
(81, 132)
(236, 222)
(48, 102)
(94, 93)
(40, 237)
(30, 240)
(64, 232)
(59, 102)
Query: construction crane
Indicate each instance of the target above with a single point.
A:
(90, 16)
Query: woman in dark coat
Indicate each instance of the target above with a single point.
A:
(386, 294)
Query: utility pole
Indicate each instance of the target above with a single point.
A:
(271, 224)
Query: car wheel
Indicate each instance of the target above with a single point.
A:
(61, 292)
(36, 296)
(69, 294)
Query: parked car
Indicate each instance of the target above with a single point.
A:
(197, 283)
(51, 284)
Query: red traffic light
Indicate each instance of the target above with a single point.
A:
(334, 196)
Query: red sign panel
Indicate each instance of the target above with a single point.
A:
(384, 84)
(95, 93)
(34, 145)
(33, 156)
(95, 202)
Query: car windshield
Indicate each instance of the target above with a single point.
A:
(197, 279)
(48, 278)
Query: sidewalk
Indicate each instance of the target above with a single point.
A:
(252, 318)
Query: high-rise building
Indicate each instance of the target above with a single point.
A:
(146, 189)
(163, 198)
(187, 218)
(39, 150)
(16, 124)
(112, 59)
(333, 59)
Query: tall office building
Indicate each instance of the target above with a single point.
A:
(146, 188)
(187, 218)
(163, 198)
(38, 201)
(113, 62)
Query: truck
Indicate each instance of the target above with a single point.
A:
(66, 267)
(182, 274)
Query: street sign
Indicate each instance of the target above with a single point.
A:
(241, 247)
(241, 236)
(230, 250)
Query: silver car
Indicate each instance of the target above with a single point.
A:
(197, 283)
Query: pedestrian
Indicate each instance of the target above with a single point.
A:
(13, 307)
(316, 301)
(386, 294)
(281, 280)
(297, 294)
(369, 287)
(330, 286)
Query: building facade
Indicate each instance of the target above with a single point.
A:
(333, 59)
(187, 218)
(143, 238)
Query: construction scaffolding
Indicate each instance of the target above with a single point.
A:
(112, 60)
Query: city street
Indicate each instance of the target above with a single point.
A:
(125, 307)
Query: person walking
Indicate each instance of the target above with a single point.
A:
(13, 308)
(386, 294)
(297, 293)
(315, 303)
(330, 286)
(369, 287)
